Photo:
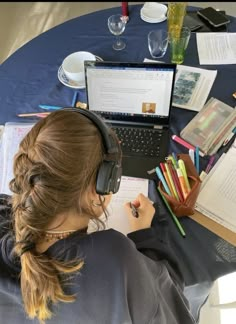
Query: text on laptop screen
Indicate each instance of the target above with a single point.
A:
(130, 91)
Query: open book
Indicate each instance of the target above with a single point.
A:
(217, 197)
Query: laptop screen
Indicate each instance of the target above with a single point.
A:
(137, 92)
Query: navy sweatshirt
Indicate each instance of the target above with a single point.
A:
(124, 280)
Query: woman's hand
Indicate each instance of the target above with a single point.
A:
(145, 211)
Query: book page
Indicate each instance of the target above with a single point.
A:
(129, 189)
(216, 48)
(12, 136)
(217, 198)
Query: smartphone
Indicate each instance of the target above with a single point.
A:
(214, 17)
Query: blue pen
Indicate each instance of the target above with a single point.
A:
(197, 159)
(163, 181)
(48, 107)
(74, 100)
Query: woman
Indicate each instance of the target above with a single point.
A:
(51, 266)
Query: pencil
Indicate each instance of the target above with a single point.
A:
(175, 219)
(37, 114)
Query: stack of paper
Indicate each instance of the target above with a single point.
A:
(217, 198)
(216, 48)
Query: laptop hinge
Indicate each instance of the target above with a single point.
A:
(158, 126)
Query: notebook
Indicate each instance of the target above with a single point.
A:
(135, 99)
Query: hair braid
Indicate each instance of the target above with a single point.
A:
(47, 181)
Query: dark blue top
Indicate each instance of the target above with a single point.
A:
(117, 284)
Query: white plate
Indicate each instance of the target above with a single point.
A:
(154, 10)
(71, 83)
(152, 21)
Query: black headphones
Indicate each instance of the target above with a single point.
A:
(110, 171)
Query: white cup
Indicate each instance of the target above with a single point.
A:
(73, 65)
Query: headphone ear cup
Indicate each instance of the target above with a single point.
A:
(108, 178)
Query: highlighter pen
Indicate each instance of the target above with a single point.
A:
(175, 178)
(161, 178)
(163, 168)
(48, 107)
(182, 142)
(175, 219)
(134, 210)
(171, 181)
(184, 172)
(182, 183)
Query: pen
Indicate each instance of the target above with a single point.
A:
(175, 219)
(163, 168)
(48, 107)
(210, 164)
(197, 159)
(74, 100)
(161, 178)
(182, 142)
(134, 210)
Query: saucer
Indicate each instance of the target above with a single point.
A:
(153, 21)
(71, 83)
(153, 12)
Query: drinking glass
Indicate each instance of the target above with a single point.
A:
(157, 42)
(116, 25)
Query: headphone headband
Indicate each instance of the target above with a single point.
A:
(110, 171)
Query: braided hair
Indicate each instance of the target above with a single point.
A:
(56, 163)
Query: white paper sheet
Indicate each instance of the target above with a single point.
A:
(217, 198)
(12, 136)
(216, 48)
(129, 189)
(192, 87)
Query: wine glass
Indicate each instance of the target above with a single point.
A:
(116, 25)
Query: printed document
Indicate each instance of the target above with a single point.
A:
(217, 198)
(12, 135)
(192, 87)
(117, 218)
(216, 48)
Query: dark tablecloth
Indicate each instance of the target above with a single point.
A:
(29, 78)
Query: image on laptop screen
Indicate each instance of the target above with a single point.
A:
(130, 91)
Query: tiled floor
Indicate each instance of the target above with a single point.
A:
(22, 21)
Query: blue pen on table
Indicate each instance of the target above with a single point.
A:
(48, 107)
(74, 100)
(163, 181)
(197, 159)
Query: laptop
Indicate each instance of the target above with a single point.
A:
(135, 100)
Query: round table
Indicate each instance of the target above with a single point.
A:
(29, 78)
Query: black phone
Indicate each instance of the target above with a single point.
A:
(214, 17)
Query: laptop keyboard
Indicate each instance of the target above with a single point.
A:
(139, 141)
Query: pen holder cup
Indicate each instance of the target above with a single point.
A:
(186, 207)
